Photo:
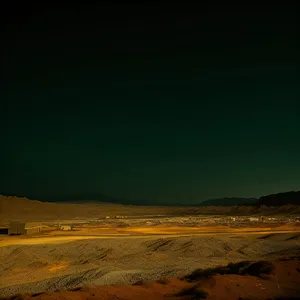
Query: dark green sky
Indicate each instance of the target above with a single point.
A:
(172, 104)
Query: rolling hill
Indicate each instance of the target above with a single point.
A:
(288, 198)
(15, 208)
(229, 201)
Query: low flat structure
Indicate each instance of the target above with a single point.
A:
(33, 227)
(66, 227)
(253, 219)
(18, 228)
(3, 230)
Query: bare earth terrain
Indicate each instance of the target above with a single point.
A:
(142, 249)
(13, 208)
(282, 283)
(50, 262)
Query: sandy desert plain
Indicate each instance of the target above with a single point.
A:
(145, 252)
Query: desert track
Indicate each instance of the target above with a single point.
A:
(38, 240)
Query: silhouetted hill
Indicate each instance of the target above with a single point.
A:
(97, 198)
(229, 201)
(79, 198)
(280, 199)
(84, 198)
(288, 198)
(14, 208)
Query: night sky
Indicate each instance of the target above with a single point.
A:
(166, 104)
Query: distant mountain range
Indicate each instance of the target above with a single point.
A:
(269, 200)
(280, 199)
(16, 208)
(84, 198)
(229, 201)
(95, 198)
(78, 198)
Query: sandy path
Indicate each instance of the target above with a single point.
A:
(47, 240)
(160, 234)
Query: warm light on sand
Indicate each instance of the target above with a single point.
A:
(142, 232)
(58, 267)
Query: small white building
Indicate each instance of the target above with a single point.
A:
(66, 227)
(253, 219)
(33, 227)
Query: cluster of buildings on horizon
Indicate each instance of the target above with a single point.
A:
(28, 228)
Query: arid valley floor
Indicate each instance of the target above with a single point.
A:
(123, 258)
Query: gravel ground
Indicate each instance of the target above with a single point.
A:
(49, 267)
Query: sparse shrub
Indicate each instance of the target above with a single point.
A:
(223, 270)
(140, 282)
(163, 281)
(208, 273)
(195, 293)
(265, 276)
(198, 275)
(17, 297)
(37, 294)
(258, 268)
(76, 289)
(238, 268)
